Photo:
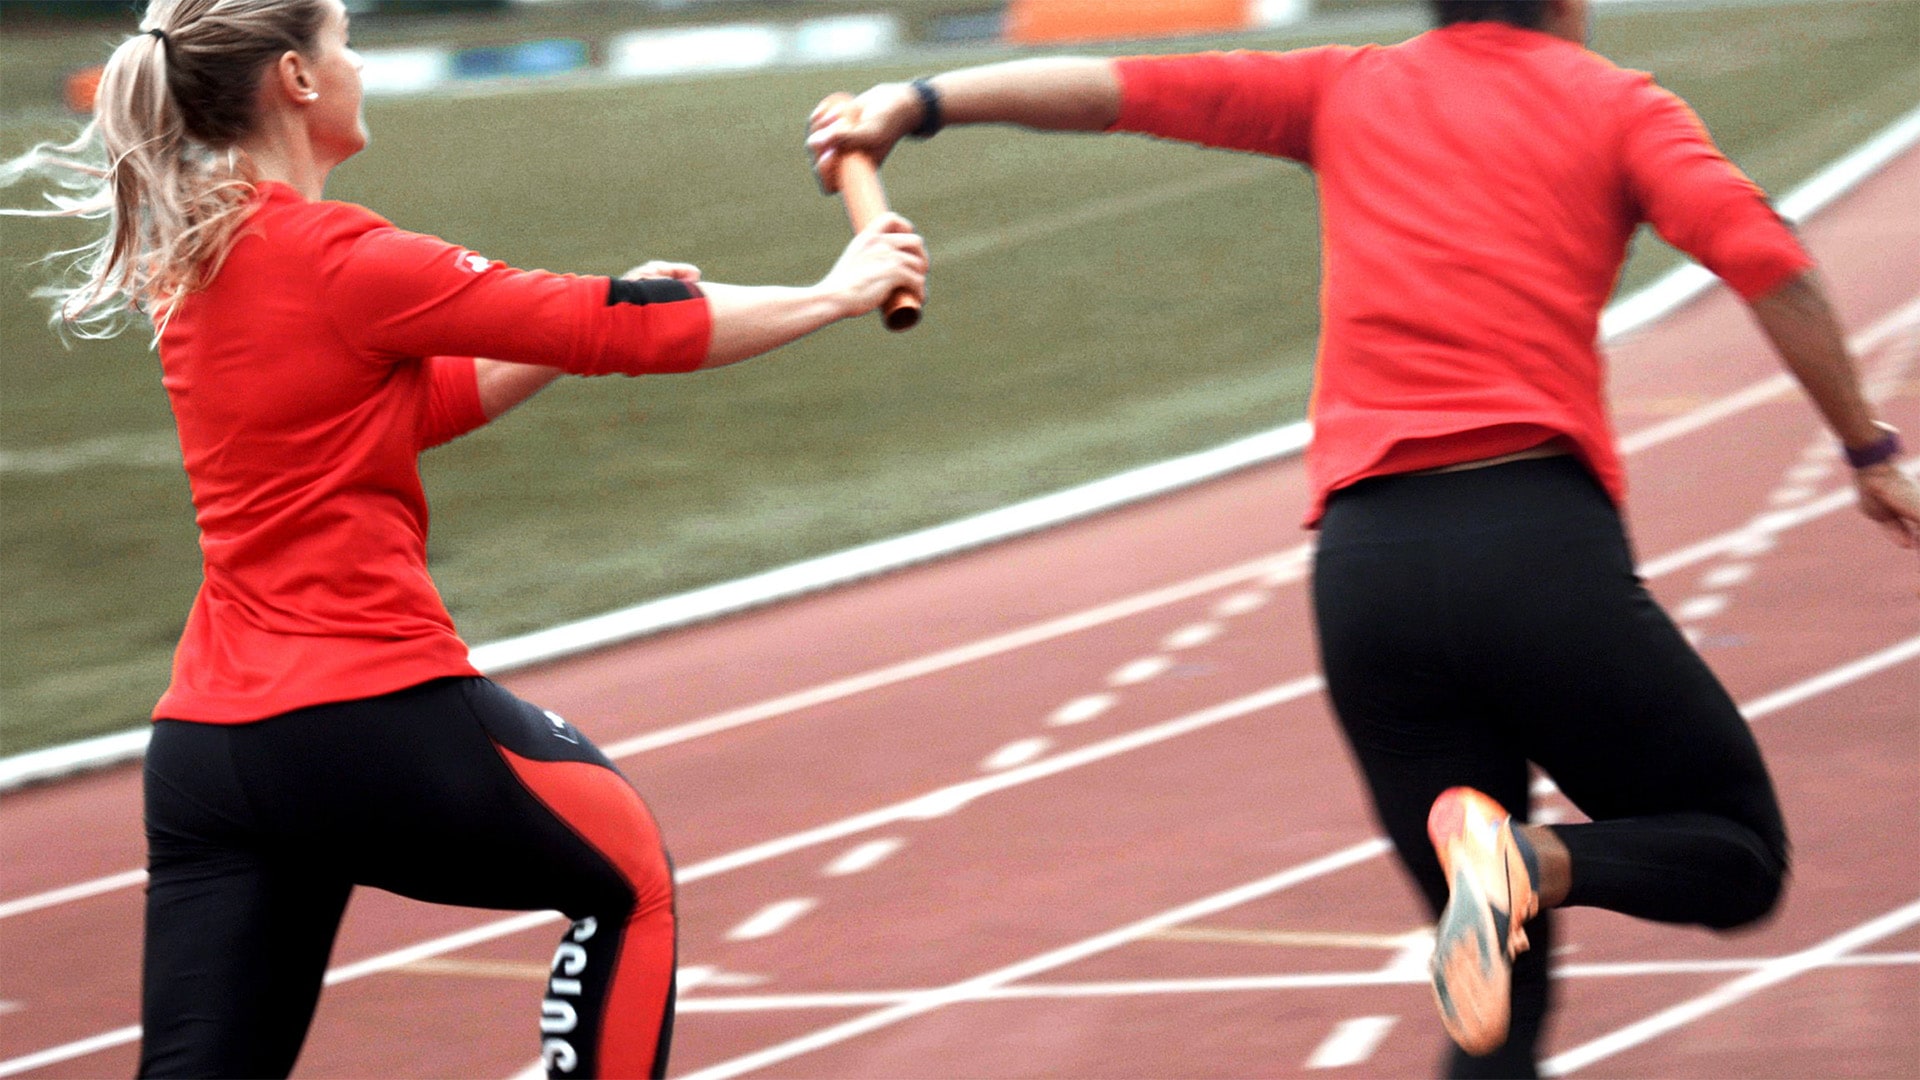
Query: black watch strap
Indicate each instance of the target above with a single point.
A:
(931, 120)
(1885, 449)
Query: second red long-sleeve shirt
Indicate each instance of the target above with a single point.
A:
(1478, 187)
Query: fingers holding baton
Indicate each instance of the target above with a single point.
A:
(856, 177)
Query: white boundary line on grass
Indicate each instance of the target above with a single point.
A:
(1656, 300)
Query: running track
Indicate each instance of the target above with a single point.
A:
(1073, 806)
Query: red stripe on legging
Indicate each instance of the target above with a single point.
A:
(599, 805)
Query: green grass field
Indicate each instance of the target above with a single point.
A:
(1098, 303)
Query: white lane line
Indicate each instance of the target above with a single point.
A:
(52, 897)
(864, 857)
(1740, 401)
(1700, 607)
(1241, 603)
(1766, 389)
(698, 975)
(959, 655)
(1772, 973)
(1727, 576)
(1018, 752)
(106, 1040)
(1332, 980)
(1140, 671)
(1082, 709)
(1352, 1042)
(1790, 496)
(1760, 534)
(128, 745)
(1285, 575)
(1188, 637)
(1414, 957)
(571, 638)
(1047, 961)
(1834, 679)
(1750, 539)
(954, 796)
(772, 919)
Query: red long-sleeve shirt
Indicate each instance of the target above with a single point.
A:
(303, 399)
(1478, 187)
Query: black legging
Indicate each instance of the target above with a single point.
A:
(455, 792)
(1472, 622)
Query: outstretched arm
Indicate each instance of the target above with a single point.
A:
(1049, 94)
(752, 319)
(1801, 324)
(749, 320)
(503, 384)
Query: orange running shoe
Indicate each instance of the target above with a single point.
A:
(1490, 872)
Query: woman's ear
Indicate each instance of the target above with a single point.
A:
(293, 79)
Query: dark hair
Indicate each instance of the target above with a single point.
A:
(1529, 14)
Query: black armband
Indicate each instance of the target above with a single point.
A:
(658, 290)
(931, 120)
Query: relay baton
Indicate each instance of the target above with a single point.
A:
(865, 200)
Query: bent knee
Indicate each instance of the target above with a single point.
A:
(1754, 894)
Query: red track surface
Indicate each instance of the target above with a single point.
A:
(952, 949)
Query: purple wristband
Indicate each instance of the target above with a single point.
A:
(1881, 450)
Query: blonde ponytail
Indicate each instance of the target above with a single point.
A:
(159, 161)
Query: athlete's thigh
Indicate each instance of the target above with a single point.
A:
(467, 795)
(238, 931)
(1604, 692)
(1414, 728)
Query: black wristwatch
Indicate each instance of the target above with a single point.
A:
(930, 119)
(1884, 449)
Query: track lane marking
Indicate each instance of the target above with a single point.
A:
(1351, 1042)
(953, 796)
(54, 897)
(772, 919)
(935, 999)
(1772, 973)
(1270, 565)
(1760, 530)
(1047, 961)
(1332, 980)
(1292, 559)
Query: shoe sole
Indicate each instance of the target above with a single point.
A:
(1476, 939)
(1472, 974)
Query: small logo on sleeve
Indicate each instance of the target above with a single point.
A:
(472, 263)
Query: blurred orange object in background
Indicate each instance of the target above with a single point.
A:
(1043, 21)
(82, 85)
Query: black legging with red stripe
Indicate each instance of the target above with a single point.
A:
(453, 791)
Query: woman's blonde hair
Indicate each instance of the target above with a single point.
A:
(159, 161)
